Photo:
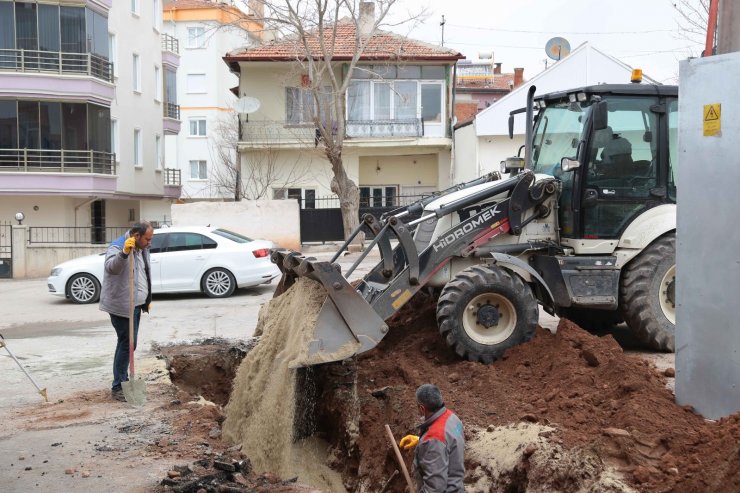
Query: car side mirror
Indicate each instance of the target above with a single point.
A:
(569, 164)
(600, 115)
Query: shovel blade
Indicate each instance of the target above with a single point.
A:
(135, 392)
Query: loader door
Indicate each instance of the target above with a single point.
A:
(621, 179)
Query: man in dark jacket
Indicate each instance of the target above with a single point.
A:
(114, 297)
(438, 461)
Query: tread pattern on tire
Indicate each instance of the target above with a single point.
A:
(464, 282)
(635, 295)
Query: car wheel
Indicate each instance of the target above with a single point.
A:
(83, 289)
(218, 283)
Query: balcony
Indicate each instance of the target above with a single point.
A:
(57, 161)
(172, 183)
(171, 44)
(385, 128)
(170, 51)
(171, 113)
(54, 62)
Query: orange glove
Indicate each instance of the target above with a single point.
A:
(129, 245)
(408, 442)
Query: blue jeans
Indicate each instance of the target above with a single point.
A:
(120, 358)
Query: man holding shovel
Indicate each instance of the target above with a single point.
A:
(117, 297)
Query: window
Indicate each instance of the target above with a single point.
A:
(180, 242)
(113, 49)
(672, 148)
(196, 83)
(137, 147)
(431, 102)
(359, 100)
(236, 237)
(157, 11)
(157, 83)
(299, 105)
(170, 86)
(381, 196)
(198, 170)
(197, 127)
(405, 99)
(158, 150)
(158, 242)
(306, 197)
(137, 73)
(135, 7)
(196, 37)
(114, 139)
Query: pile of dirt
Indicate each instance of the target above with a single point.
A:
(612, 409)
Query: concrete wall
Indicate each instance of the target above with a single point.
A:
(31, 261)
(707, 261)
(275, 220)
(415, 170)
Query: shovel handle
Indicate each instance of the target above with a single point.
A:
(400, 460)
(131, 313)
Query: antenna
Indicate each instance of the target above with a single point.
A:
(557, 48)
(443, 29)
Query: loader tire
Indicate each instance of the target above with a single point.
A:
(509, 318)
(647, 294)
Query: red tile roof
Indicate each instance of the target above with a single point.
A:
(465, 110)
(383, 45)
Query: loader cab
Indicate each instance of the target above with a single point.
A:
(611, 146)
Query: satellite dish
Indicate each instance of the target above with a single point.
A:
(247, 104)
(557, 48)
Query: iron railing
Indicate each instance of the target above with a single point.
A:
(413, 127)
(57, 161)
(74, 234)
(171, 110)
(172, 176)
(56, 62)
(365, 202)
(170, 43)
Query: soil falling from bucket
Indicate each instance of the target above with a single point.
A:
(261, 411)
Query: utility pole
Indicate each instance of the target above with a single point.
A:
(443, 29)
(729, 27)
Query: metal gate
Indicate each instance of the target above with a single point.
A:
(321, 225)
(6, 250)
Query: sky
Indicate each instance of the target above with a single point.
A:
(641, 33)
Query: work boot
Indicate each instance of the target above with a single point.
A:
(117, 395)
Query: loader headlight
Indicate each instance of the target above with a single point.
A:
(572, 98)
(581, 97)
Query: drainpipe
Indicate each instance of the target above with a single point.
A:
(452, 125)
(87, 202)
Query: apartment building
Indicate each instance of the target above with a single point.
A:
(83, 116)
(398, 112)
(205, 150)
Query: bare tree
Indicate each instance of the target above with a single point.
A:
(315, 27)
(693, 19)
(257, 174)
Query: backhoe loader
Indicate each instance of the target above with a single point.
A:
(583, 225)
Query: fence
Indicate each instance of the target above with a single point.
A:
(57, 161)
(172, 176)
(74, 235)
(171, 110)
(56, 62)
(170, 43)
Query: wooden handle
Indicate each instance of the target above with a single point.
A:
(131, 313)
(399, 458)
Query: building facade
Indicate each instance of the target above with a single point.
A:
(204, 151)
(398, 109)
(82, 116)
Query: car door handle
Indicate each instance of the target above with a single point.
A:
(153, 261)
(199, 257)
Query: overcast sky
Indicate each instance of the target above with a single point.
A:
(641, 33)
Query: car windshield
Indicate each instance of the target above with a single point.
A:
(231, 235)
(558, 132)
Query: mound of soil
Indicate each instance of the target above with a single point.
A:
(614, 408)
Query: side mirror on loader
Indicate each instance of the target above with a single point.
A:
(569, 164)
(600, 115)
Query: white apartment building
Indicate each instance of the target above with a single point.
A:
(83, 116)
(206, 30)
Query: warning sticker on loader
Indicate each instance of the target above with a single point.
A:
(712, 119)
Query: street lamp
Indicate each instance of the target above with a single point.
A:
(19, 216)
